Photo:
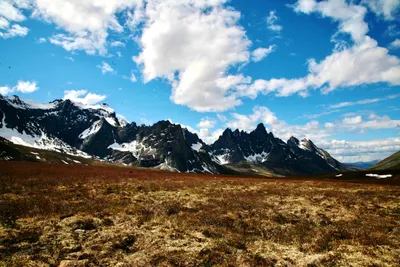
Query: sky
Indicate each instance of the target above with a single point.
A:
(324, 70)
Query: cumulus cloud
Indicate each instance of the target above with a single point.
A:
(395, 44)
(260, 53)
(86, 24)
(353, 151)
(383, 8)
(24, 87)
(192, 44)
(10, 12)
(14, 31)
(209, 136)
(362, 63)
(271, 22)
(352, 120)
(105, 67)
(83, 97)
(4, 23)
(349, 16)
(5, 90)
(206, 123)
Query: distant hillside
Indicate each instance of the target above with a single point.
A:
(362, 165)
(391, 162)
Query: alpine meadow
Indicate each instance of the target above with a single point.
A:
(199, 133)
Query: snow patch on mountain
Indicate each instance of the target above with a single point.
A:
(112, 121)
(40, 141)
(136, 148)
(16, 102)
(122, 122)
(102, 107)
(166, 167)
(91, 130)
(258, 158)
(222, 159)
(197, 146)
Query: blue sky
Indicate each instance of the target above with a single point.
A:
(324, 70)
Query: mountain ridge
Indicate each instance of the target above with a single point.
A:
(95, 131)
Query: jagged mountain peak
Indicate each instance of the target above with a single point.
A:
(227, 132)
(293, 142)
(260, 128)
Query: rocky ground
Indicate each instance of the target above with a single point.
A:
(74, 215)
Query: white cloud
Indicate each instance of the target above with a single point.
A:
(271, 22)
(208, 136)
(117, 44)
(369, 62)
(260, 53)
(192, 44)
(353, 151)
(395, 44)
(105, 67)
(22, 87)
(83, 97)
(4, 23)
(14, 31)
(206, 123)
(119, 54)
(41, 40)
(352, 120)
(86, 23)
(384, 8)
(5, 90)
(26, 86)
(379, 122)
(10, 12)
(362, 102)
(349, 16)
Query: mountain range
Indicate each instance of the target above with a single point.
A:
(362, 164)
(94, 131)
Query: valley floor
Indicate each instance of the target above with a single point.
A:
(75, 215)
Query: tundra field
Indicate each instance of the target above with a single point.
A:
(76, 215)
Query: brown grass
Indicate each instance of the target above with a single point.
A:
(111, 216)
